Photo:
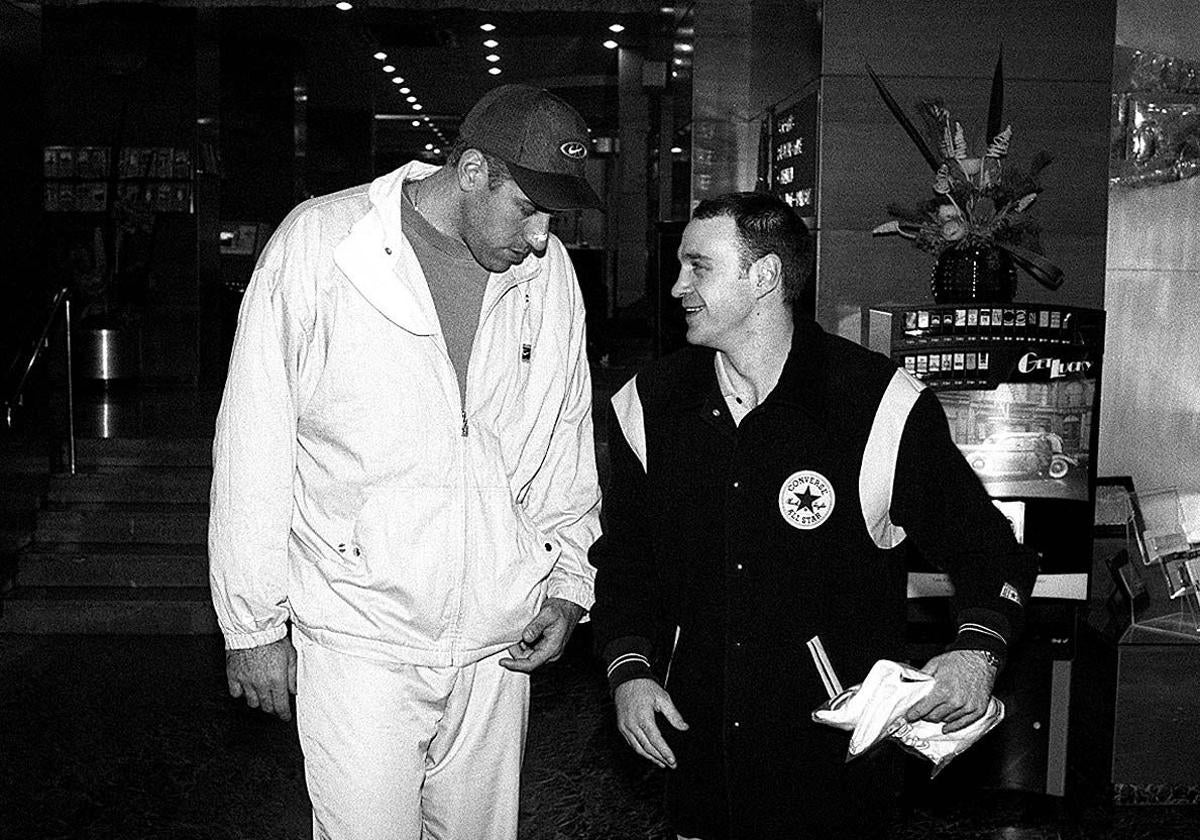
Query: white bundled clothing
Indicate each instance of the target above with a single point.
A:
(876, 709)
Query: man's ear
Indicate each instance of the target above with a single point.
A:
(767, 271)
(472, 170)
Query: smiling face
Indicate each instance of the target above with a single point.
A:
(718, 295)
(499, 225)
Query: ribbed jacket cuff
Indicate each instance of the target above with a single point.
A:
(626, 659)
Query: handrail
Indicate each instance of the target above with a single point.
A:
(63, 299)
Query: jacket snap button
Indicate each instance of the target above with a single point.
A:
(549, 547)
(387, 251)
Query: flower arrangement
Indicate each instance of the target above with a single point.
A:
(977, 202)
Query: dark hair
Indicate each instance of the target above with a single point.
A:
(766, 225)
(497, 169)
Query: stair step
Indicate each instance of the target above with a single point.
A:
(105, 564)
(133, 484)
(144, 452)
(143, 523)
(103, 610)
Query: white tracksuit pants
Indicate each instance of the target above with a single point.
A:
(401, 752)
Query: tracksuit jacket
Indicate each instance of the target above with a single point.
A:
(354, 490)
(727, 547)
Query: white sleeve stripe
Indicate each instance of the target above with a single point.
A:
(876, 478)
(628, 407)
(979, 628)
(624, 659)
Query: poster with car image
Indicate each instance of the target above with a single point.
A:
(1027, 439)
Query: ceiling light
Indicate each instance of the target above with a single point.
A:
(492, 57)
(676, 150)
(416, 106)
(429, 147)
(344, 6)
(683, 47)
(437, 151)
(495, 71)
(388, 68)
(398, 80)
(491, 43)
(416, 123)
(677, 60)
(610, 44)
(410, 99)
(674, 74)
(380, 56)
(487, 27)
(405, 90)
(616, 27)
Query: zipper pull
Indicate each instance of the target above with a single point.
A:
(464, 415)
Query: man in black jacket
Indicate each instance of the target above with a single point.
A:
(763, 480)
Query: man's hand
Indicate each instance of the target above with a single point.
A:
(544, 639)
(960, 695)
(265, 676)
(638, 701)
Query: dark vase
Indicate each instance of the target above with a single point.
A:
(965, 275)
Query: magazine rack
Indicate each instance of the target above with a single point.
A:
(1162, 584)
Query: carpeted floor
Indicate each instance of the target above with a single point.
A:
(132, 738)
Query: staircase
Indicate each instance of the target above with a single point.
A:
(119, 547)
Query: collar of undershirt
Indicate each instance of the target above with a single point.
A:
(411, 218)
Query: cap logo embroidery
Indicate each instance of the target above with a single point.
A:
(574, 150)
(806, 499)
(1010, 592)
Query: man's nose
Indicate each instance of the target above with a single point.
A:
(537, 231)
(680, 287)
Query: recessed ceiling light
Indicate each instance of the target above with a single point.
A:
(380, 56)
(491, 43)
(344, 6)
(616, 27)
(397, 80)
(492, 58)
(410, 99)
(674, 74)
(389, 68)
(610, 44)
(487, 27)
(677, 60)
(495, 71)
(437, 151)
(683, 47)
(429, 147)
(676, 150)
(416, 123)
(416, 106)
(405, 90)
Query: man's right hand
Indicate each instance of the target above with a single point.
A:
(638, 701)
(265, 676)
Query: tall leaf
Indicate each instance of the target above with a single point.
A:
(996, 102)
(905, 123)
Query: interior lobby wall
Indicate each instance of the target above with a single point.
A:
(1150, 403)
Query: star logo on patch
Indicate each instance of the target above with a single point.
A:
(806, 499)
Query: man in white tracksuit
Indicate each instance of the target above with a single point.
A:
(404, 470)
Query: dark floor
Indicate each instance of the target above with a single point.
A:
(134, 737)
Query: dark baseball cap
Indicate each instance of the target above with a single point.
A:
(543, 141)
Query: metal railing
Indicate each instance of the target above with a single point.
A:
(62, 300)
